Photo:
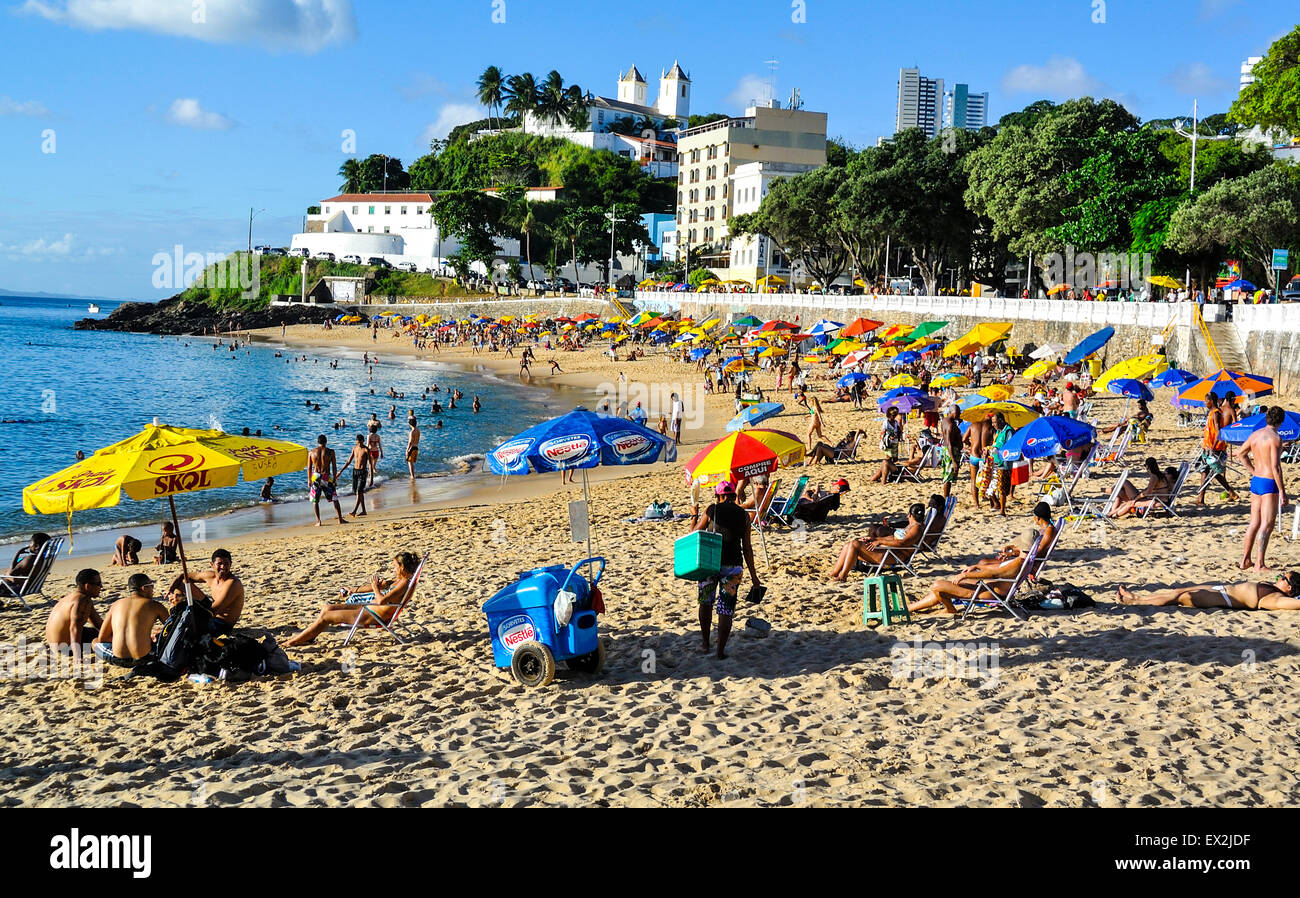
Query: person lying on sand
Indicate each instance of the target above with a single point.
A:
(380, 597)
(127, 632)
(1003, 566)
(227, 590)
(871, 551)
(73, 621)
(1283, 594)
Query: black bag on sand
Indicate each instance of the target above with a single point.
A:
(177, 644)
(1047, 596)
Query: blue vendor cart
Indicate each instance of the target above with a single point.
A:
(526, 635)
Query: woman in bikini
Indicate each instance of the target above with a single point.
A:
(1131, 500)
(380, 598)
(1283, 594)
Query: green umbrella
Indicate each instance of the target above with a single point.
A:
(747, 321)
(926, 328)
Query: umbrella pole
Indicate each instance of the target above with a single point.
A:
(180, 549)
(586, 505)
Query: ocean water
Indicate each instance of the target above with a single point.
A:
(66, 390)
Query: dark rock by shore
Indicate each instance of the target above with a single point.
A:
(174, 317)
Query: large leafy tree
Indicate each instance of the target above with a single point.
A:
(379, 172)
(1272, 102)
(491, 89)
(474, 219)
(521, 95)
(793, 216)
(1250, 216)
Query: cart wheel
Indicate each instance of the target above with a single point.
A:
(533, 664)
(591, 663)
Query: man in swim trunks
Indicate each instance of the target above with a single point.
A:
(126, 635)
(73, 621)
(1261, 454)
(978, 437)
(322, 477)
(1283, 594)
(359, 462)
(412, 445)
(949, 448)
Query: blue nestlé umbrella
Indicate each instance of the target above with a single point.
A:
(1088, 345)
(1288, 430)
(759, 411)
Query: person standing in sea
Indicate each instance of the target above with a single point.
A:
(412, 445)
(322, 478)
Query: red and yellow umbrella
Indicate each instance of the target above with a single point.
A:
(745, 453)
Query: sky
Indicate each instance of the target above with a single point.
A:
(131, 127)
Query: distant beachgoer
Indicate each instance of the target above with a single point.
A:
(81, 456)
(412, 445)
(265, 495)
(1261, 454)
(322, 478)
(73, 621)
(127, 551)
(376, 449)
(677, 411)
(359, 462)
(126, 635)
(168, 549)
(24, 559)
(477, 405)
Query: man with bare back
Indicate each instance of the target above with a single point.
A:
(978, 437)
(1261, 454)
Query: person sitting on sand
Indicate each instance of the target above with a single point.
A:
(24, 561)
(380, 598)
(871, 551)
(127, 551)
(1283, 594)
(227, 590)
(826, 452)
(73, 621)
(1002, 567)
(1131, 500)
(168, 549)
(126, 635)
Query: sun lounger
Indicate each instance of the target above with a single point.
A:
(1033, 566)
(896, 557)
(759, 514)
(1099, 508)
(1157, 504)
(851, 452)
(930, 545)
(785, 514)
(1117, 446)
(369, 618)
(33, 583)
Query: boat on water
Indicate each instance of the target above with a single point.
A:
(93, 308)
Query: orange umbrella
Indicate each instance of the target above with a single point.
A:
(859, 326)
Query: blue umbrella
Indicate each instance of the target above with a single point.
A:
(1174, 377)
(1046, 436)
(700, 352)
(1288, 430)
(971, 401)
(758, 412)
(931, 348)
(1130, 389)
(661, 336)
(581, 439)
(1239, 284)
(823, 328)
(906, 404)
(907, 358)
(1088, 345)
(853, 377)
(902, 391)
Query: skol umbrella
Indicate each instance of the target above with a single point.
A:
(900, 380)
(1134, 369)
(997, 392)
(1224, 383)
(745, 453)
(760, 411)
(162, 461)
(1088, 345)
(1047, 436)
(1017, 414)
(1174, 377)
(1040, 368)
(1130, 389)
(581, 439)
(1288, 430)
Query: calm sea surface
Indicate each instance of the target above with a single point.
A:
(66, 390)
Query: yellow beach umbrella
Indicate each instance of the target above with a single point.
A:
(894, 331)
(1136, 368)
(997, 392)
(738, 365)
(949, 379)
(1040, 368)
(847, 346)
(1164, 280)
(772, 279)
(1017, 415)
(771, 351)
(884, 352)
(981, 335)
(900, 380)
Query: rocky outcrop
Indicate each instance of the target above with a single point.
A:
(176, 317)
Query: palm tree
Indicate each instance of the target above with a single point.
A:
(350, 172)
(490, 85)
(527, 225)
(521, 97)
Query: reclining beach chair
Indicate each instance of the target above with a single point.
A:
(930, 546)
(759, 514)
(1075, 473)
(1117, 446)
(851, 452)
(929, 459)
(369, 618)
(33, 584)
(896, 557)
(1098, 508)
(1159, 504)
(1034, 564)
(785, 514)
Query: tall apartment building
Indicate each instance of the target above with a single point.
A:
(1246, 68)
(709, 155)
(963, 109)
(920, 102)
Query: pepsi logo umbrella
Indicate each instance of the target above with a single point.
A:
(1047, 436)
(1288, 430)
(760, 411)
(1174, 377)
(1130, 389)
(1088, 345)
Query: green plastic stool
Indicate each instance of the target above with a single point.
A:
(883, 600)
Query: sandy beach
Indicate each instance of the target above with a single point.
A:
(1110, 706)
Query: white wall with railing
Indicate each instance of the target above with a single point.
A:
(1280, 317)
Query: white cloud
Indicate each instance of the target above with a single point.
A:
(1061, 76)
(188, 113)
(750, 89)
(304, 25)
(450, 116)
(39, 248)
(28, 107)
(1197, 79)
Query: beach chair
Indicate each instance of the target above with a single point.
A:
(1098, 508)
(33, 583)
(785, 514)
(931, 546)
(1158, 504)
(896, 557)
(1075, 473)
(851, 452)
(372, 619)
(759, 514)
(1117, 446)
(1033, 566)
(929, 459)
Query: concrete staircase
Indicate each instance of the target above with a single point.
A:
(1228, 344)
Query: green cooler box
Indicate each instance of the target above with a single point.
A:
(697, 555)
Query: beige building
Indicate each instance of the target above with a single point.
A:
(707, 157)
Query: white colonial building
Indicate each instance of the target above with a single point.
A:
(754, 257)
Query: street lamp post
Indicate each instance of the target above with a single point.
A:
(251, 213)
(1191, 187)
(613, 220)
